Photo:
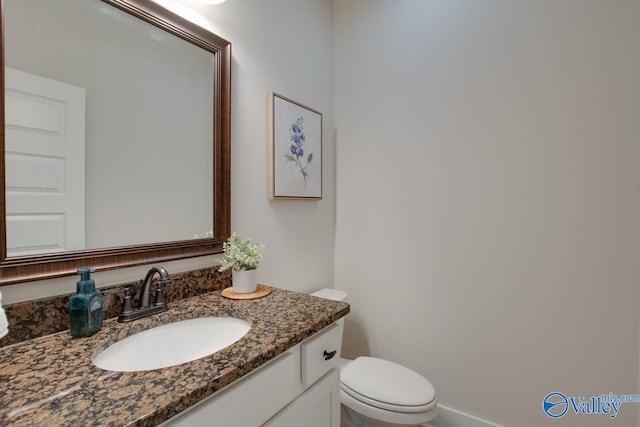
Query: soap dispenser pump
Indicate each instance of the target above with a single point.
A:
(85, 306)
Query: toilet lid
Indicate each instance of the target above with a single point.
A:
(387, 385)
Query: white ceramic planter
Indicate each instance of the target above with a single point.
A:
(244, 281)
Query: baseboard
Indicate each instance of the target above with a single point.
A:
(449, 417)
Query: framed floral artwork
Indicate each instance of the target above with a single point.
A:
(295, 150)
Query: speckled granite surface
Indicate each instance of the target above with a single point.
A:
(36, 318)
(50, 381)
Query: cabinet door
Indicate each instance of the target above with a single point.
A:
(250, 400)
(319, 406)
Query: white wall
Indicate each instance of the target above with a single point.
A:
(487, 203)
(278, 45)
(283, 46)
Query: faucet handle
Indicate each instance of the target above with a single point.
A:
(159, 297)
(127, 305)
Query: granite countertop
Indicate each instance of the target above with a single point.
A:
(51, 381)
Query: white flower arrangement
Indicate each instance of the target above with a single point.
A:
(240, 254)
(205, 235)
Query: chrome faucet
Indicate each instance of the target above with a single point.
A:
(145, 307)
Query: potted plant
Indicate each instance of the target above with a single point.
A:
(242, 258)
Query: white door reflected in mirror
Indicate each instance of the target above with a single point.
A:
(44, 155)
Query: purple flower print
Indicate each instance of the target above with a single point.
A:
(296, 152)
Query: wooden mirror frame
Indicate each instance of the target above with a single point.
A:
(37, 267)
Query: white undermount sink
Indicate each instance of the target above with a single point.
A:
(172, 344)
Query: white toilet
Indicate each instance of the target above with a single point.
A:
(379, 393)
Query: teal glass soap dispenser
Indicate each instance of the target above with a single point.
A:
(85, 306)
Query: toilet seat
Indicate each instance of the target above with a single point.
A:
(387, 385)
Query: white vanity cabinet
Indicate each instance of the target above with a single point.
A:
(319, 406)
(298, 388)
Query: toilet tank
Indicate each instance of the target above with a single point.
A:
(335, 295)
(332, 294)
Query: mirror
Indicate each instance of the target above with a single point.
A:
(148, 96)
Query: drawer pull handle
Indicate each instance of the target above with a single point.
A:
(329, 354)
